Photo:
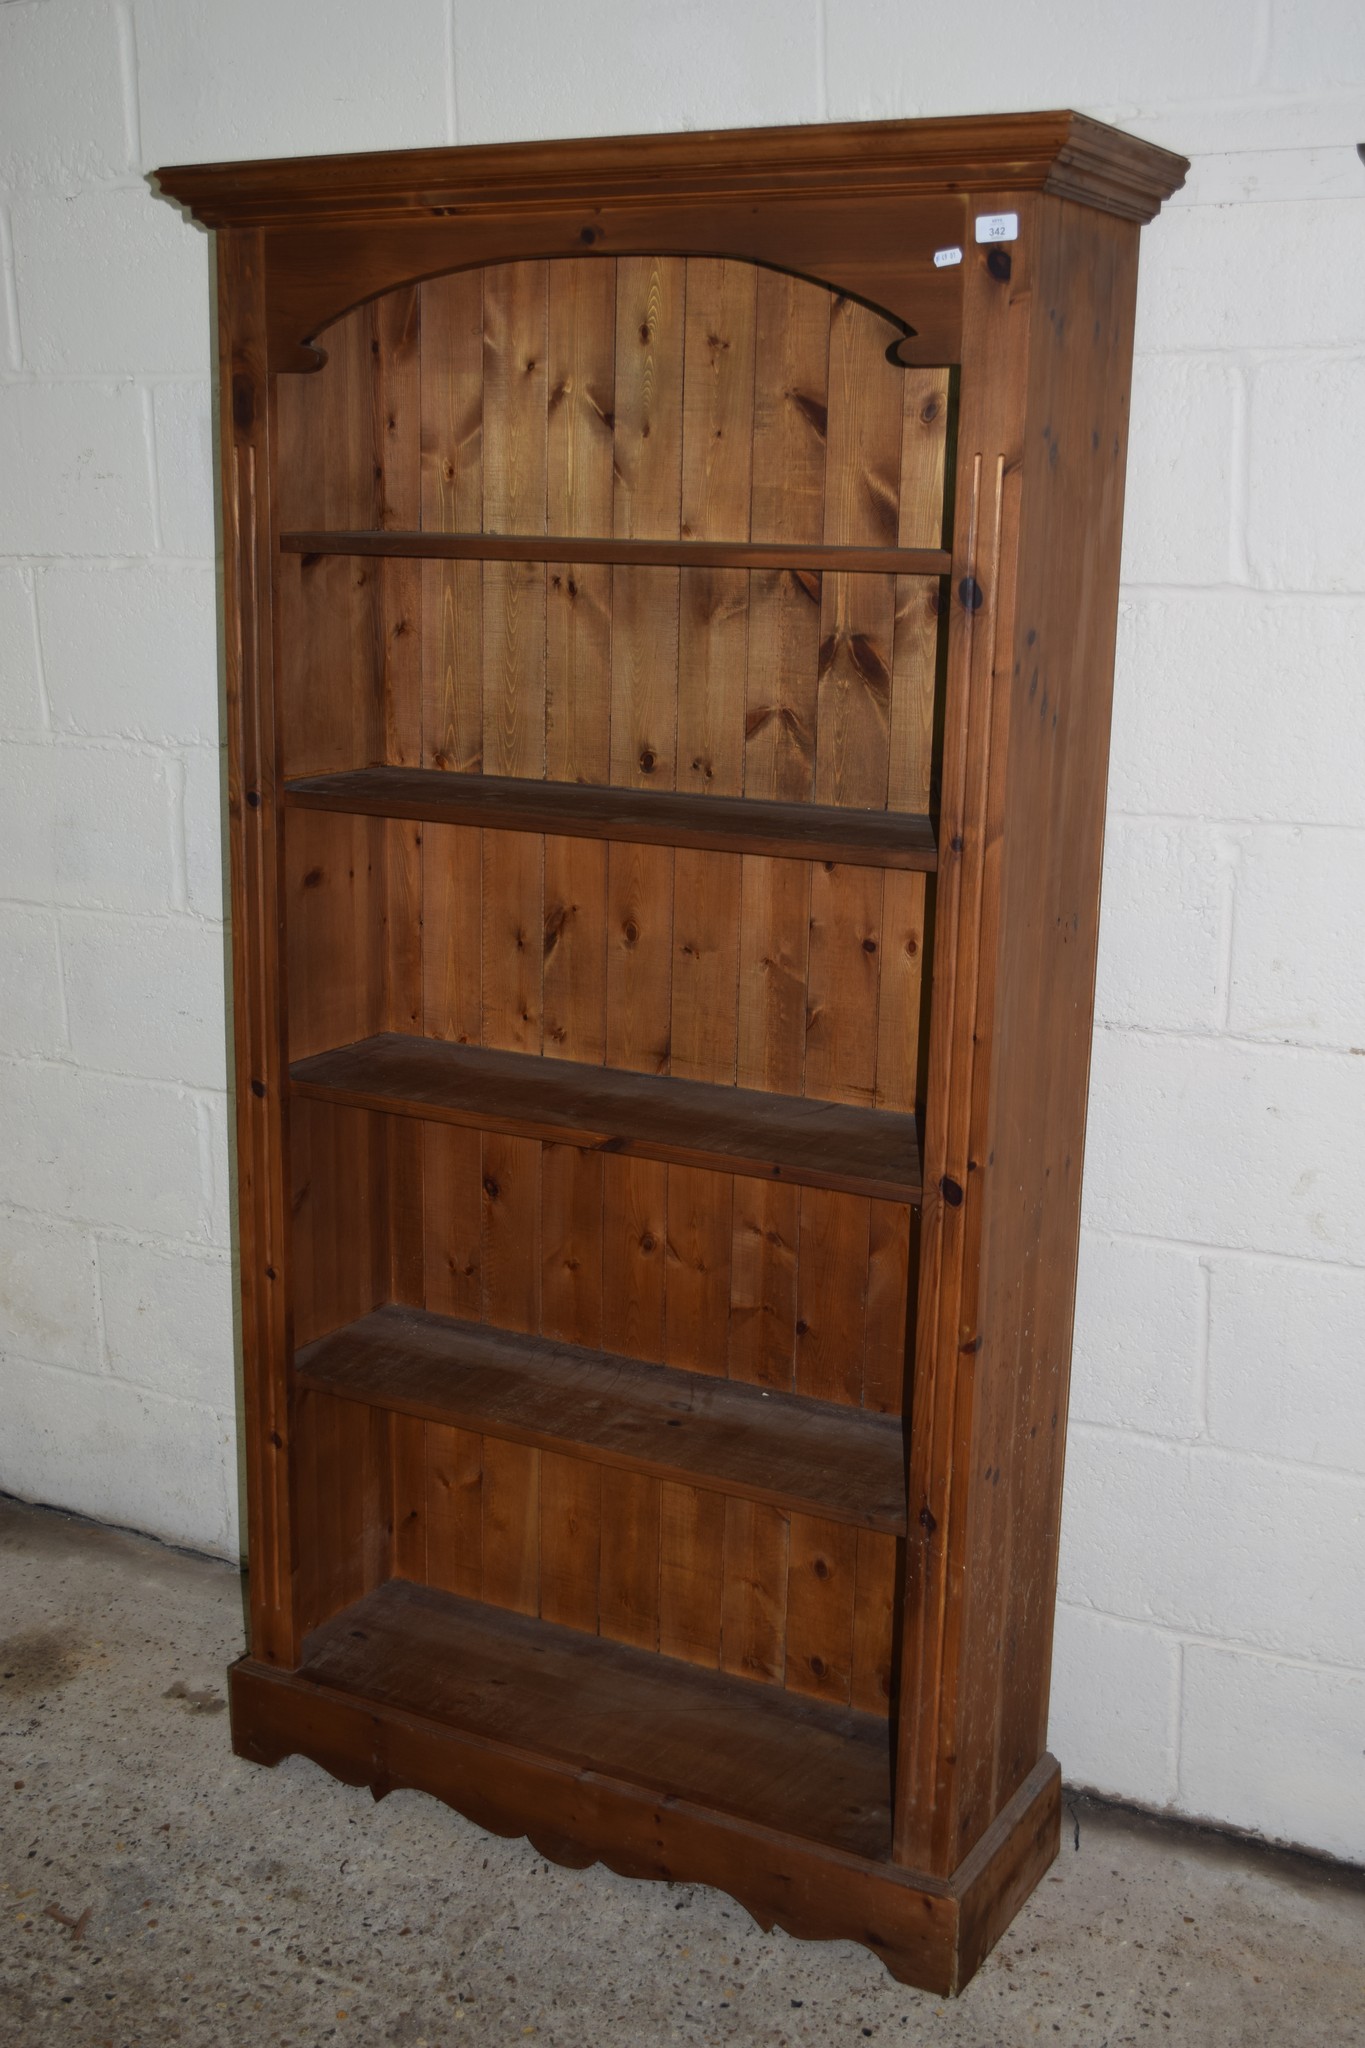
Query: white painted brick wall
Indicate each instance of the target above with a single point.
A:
(1211, 1633)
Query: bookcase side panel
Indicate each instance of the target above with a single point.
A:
(255, 834)
(1061, 688)
(997, 287)
(1047, 354)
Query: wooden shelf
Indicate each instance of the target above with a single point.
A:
(809, 1457)
(730, 1746)
(688, 1123)
(623, 554)
(855, 838)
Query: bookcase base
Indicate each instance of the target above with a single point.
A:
(932, 1933)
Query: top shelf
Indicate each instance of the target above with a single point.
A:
(641, 554)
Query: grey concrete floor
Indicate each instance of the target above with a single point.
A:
(155, 1889)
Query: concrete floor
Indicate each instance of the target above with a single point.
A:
(154, 1889)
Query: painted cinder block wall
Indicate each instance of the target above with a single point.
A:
(1211, 1635)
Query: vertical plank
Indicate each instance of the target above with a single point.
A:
(514, 476)
(774, 955)
(578, 671)
(831, 1295)
(452, 666)
(452, 933)
(511, 1520)
(329, 694)
(634, 1237)
(705, 994)
(754, 1609)
(570, 1540)
(514, 668)
(691, 1563)
(395, 407)
(650, 303)
(315, 1559)
(513, 946)
(409, 1487)
(862, 486)
(787, 502)
(454, 1502)
(900, 992)
(515, 393)
(651, 296)
(323, 1582)
(644, 677)
(452, 1221)
(639, 957)
(853, 743)
(791, 408)
(580, 396)
(581, 340)
(362, 1475)
(571, 1244)
(775, 919)
(713, 638)
(396, 435)
(328, 469)
(891, 1243)
(924, 446)
(511, 1231)
(821, 1584)
(874, 1609)
(762, 1335)
(335, 951)
(844, 983)
(452, 502)
(399, 1218)
(865, 429)
(341, 1264)
(782, 688)
(575, 949)
(717, 453)
(917, 629)
(399, 936)
(575, 894)
(697, 1284)
(718, 398)
(628, 1594)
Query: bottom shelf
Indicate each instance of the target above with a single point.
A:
(655, 1768)
(752, 1752)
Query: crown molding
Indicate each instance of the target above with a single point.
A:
(1062, 153)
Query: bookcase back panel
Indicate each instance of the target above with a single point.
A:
(784, 1599)
(796, 977)
(798, 1289)
(638, 399)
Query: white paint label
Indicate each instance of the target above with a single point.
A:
(997, 227)
(943, 258)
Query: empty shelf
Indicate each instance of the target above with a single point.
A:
(726, 1745)
(858, 838)
(647, 554)
(790, 1138)
(811, 1457)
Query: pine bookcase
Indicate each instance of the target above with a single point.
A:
(670, 589)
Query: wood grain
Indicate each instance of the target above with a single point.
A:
(801, 832)
(801, 1140)
(452, 501)
(574, 1399)
(628, 555)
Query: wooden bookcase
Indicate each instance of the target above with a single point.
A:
(670, 591)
